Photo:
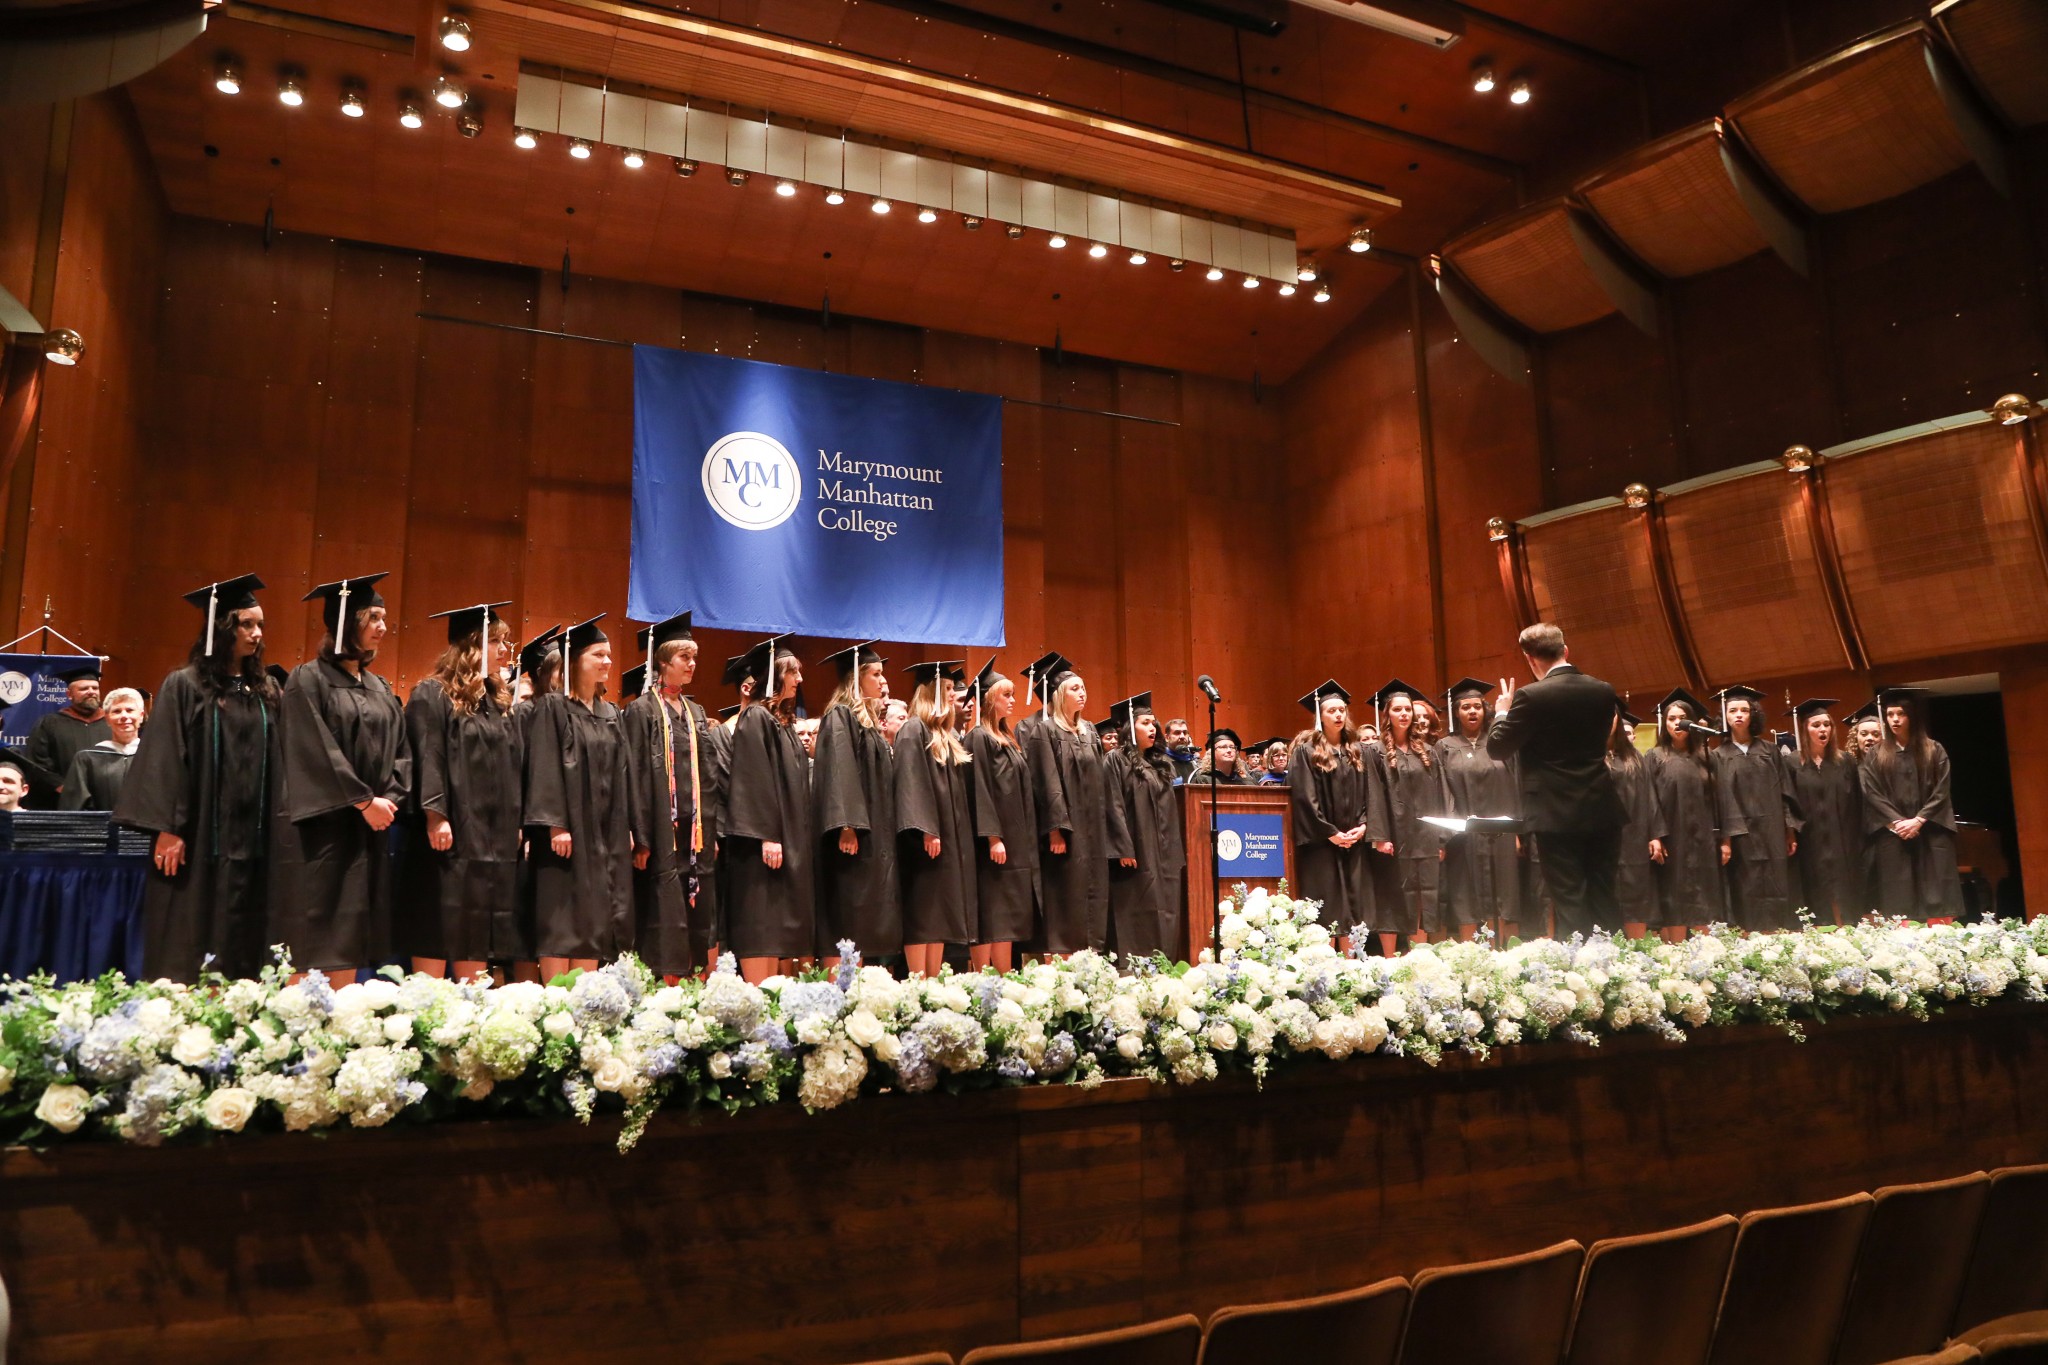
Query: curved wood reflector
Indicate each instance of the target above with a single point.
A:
(2004, 43)
(1589, 571)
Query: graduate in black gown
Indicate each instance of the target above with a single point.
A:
(1340, 810)
(347, 775)
(1482, 881)
(578, 813)
(205, 780)
(935, 812)
(1635, 871)
(1909, 815)
(1830, 861)
(94, 779)
(771, 913)
(853, 781)
(1414, 790)
(1686, 843)
(1145, 892)
(460, 900)
(1080, 829)
(668, 755)
(1758, 815)
(1005, 825)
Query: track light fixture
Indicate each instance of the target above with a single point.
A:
(970, 222)
(455, 34)
(1215, 273)
(2013, 409)
(580, 148)
(63, 346)
(524, 139)
(1176, 266)
(1251, 281)
(735, 177)
(290, 92)
(227, 77)
(880, 205)
(685, 167)
(448, 94)
(1322, 294)
(1097, 250)
(351, 104)
(1306, 271)
(634, 158)
(835, 197)
(1286, 290)
(927, 215)
(1056, 241)
(409, 116)
(786, 188)
(469, 123)
(1519, 93)
(1482, 79)
(1360, 241)
(1014, 232)
(1137, 258)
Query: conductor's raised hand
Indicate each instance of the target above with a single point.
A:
(1505, 697)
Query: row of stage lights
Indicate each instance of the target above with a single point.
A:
(291, 91)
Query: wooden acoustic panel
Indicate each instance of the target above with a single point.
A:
(1747, 578)
(2004, 43)
(1590, 572)
(1529, 266)
(1863, 125)
(1938, 547)
(1673, 204)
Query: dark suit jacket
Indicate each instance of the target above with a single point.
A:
(1558, 727)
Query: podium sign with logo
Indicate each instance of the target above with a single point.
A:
(1254, 845)
(29, 690)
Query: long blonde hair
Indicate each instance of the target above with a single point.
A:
(1058, 708)
(944, 744)
(460, 670)
(847, 694)
(999, 728)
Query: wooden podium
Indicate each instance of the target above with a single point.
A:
(1268, 802)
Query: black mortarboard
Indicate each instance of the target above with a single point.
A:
(534, 652)
(1106, 725)
(1123, 713)
(1215, 735)
(1813, 704)
(653, 637)
(1046, 672)
(1468, 687)
(582, 636)
(1867, 711)
(633, 681)
(1398, 688)
(359, 594)
(1263, 745)
(279, 674)
(1903, 696)
(1313, 702)
(853, 658)
(1678, 694)
(1739, 692)
(957, 671)
(85, 668)
(1628, 717)
(760, 666)
(728, 712)
(985, 679)
(229, 594)
(735, 671)
(464, 621)
(931, 669)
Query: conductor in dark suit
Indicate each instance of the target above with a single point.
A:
(1558, 726)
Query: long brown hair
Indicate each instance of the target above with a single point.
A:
(1321, 752)
(1693, 748)
(219, 672)
(1418, 707)
(944, 744)
(460, 671)
(352, 636)
(782, 708)
(1888, 748)
(1832, 752)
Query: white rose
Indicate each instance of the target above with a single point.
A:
(1010, 1012)
(720, 1066)
(229, 1109)
(888, 1047)
(815, 1029)
(1188, 1020)
(1130, 1045)
(558, 1025)
(194, 1046)
(1234, 932)
(864, 1029)
(1222, 1037)
(613, 1073)
(398, 1028)
(63, 1107)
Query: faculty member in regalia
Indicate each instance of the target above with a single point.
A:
(853, 782)
(94, 779)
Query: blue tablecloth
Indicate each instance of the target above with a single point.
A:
(73, 914)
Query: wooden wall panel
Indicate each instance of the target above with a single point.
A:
(22, 171)
(1609, 399)
(1756, 373)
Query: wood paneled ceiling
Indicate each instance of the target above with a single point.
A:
(1111, 91)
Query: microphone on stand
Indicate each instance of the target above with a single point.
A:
(1208, 686)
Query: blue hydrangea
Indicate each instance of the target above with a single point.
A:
(319, 995)
(663, 1062)
(599, 1000)
(773, 1037)
(104, 1053)
(1014, 1068)
(1060, 1054)
(914, 1069)
(849, 964)
(804, 999)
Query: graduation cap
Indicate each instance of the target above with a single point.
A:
(1466, 687)
(1265, 745)
(1902, 696)
(88, 667)
(985, 679)
(653, 637)
(758, 663)
(1044, 673)
(1313, 702)
(1215, 735)
(534, 652)
(633, 681)
(477, 620)
(728, 712)
(279, 674)
(853, 658)
(735, 671)
(1679, 694)
(1385, 696)
(1124, 714)
(1811, 705)
(578, 638)
(929, 672)
(229, 594)
(1628, 717)
(361, 591)
(1867, 711)
(957, 673)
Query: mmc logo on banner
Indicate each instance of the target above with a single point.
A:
(774, 499)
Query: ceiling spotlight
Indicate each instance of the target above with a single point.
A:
(735, 177)
(1176, 266)
(634, 158)
(1286, 290)
(227, 78)
(1322, 294)
(835, 197)
(290, 92)
(469, 123)
(1251, 281)
(970, 222)
(1014, 231)
(409, 115)
(786, 188)
(685, 167)
(927, 215)
(1482, 79)
(63, 346)
(1137, 258)
(880, 206)
(1097, 250)
(1306, 271)
(1215, 273)
(1519, 93)
(448, 94)
(351, 104)
(455, 34)
(1056, 241)
(524, 139)
(1360, 241)
(580, 148)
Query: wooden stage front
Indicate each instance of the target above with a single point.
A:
(908, 1223)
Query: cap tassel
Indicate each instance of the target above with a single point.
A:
(487, 651)
(212, 611)
(341, 622)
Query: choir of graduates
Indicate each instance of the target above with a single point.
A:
(540, 827)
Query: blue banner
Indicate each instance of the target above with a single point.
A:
(31, 690)
(773, 499)
(1251, 845)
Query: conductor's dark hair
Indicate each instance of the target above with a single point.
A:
(1543, 642)
(219, 672)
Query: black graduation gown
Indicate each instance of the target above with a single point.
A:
(1754, 804)
(1481, 881)
(1327, 803)
(576, 779)
(1145, 902)
(93, 782)
(853, 781)
(464, 905)
(1413, 791)
(344, 741)
(54, 741)
(940, 900)
(1689, 878)
(209, 772)
(1830, 860)
(771, 912)
(1005, 808)
(1914, 877)
(664, 819)
(1070, 781)
(1635, 876)
(708, 926)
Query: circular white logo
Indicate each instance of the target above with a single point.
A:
(1228, 845)
(15, 687)
(751, 480)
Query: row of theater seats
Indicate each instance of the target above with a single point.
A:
(1958, 1267)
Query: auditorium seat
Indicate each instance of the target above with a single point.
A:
(1652, 1297)
(1170, 1341)
(2019, 1348)
(2009, 1264)
(1909, 1270)
(1788, 1283)
(1954, 1355)
(1507, 1312)
(2034, 1324)
(1357, 1327)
